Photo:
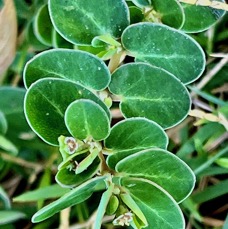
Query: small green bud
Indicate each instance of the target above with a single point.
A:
(112, 205)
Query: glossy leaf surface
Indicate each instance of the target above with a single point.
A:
(161, 167)
(78, 66)
(85, 118)
(75, 196)
(136, 133)
(80, 21)
(43, 26)
(150, 92)
(46, 102)
(204, 17)
(167, 48)
(159, 208)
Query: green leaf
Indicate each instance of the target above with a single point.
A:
(136, 133)
(142, 3)
(80, 21)
(170, 11)
(78, 66)
(159, 208)
(8, 146)
(48, 192)
(46, 102)
(136, 14)
(114, 158)
(150, 92)
(200, 18)
(12, 106)
(5, 199)
(43, 26)
(60, 42)
(128, 200)
(102, 206)
(112, 205)
(3, 123)
(211, 192)
(170, 49)
(75, 196)
(85, 119)
(9, 216)
(161, 167)
(67, 178)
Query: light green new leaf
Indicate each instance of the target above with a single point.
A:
(46, 102)
(136, 133)
(75, 196)
(85, 118)
(48, 192)
(3, 123)
(67, 178)
(80, 21)
(167, 48)
(43, 26)
(78, 66)
(170, 11)
(102, 206)
(150, 92)
(4, 198)
(9, 216)
(200, 18)
(161, 167)
(159, 208)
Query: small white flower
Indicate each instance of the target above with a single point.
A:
(124, 219)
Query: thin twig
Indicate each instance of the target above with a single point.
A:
(21, 162)
(211, 73)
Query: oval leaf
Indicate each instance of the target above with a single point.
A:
(200, 18)
(167, 48)
(46, 102)
(161, 167)
(78, 66)
(150, 92)
(80, 21)
(159, 208)
(75, 196)
(136, 133)
(84, 118)
(43, 26)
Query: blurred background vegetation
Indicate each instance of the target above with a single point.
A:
(28, 164)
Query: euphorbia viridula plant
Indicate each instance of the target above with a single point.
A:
(71, 93)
